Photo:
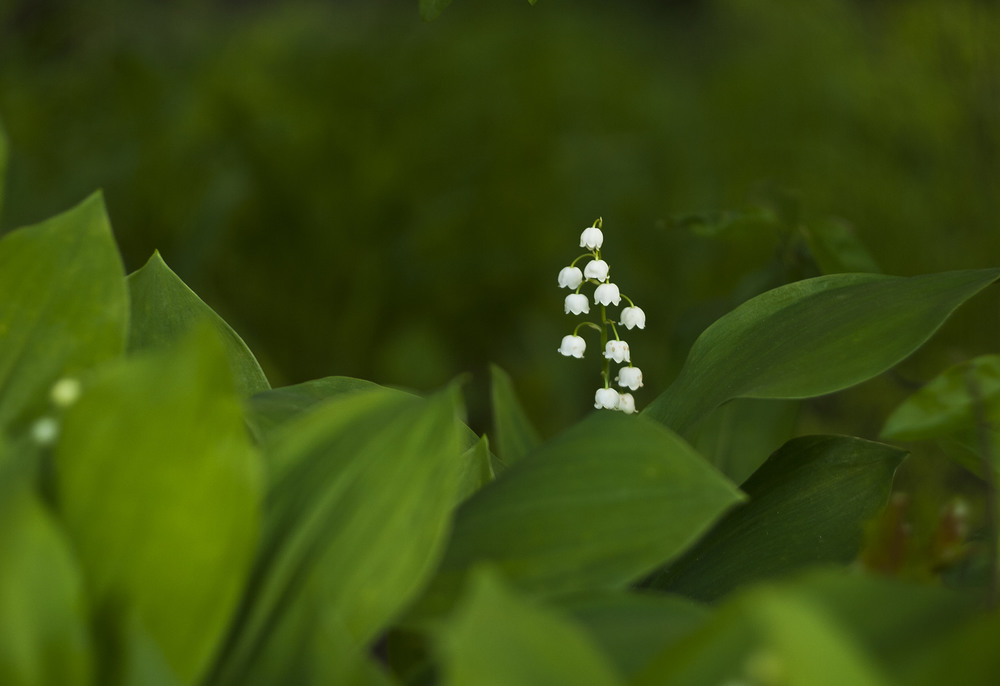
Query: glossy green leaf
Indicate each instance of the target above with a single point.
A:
(432, 9)
(477, 469)
(270, 409)
(631, 628)
(497, 638)
(358, 513)
(596, 507)
(739, 435)
(946, 405)
(808, 504)
(160, 490)
(44, 633)
(164, 309)
(63, 306)
(514, 435)
(836, 248)
(812, 337)
(767, 636)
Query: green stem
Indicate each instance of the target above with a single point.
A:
(606, 371)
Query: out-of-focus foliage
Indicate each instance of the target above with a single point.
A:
(363, 193)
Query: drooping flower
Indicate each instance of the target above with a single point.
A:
(606, 398)
(633, 316)
(607, 294)
(629, 377)
(573, 346)
(577, 303)
(626, 403)
(65, 391)
(596, 269)
(591, 238)
(617, 351)
(570, 277)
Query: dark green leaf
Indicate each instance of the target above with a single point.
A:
(515, 436)
(631, 628)
(812, 337)
(44, 636)
(160, 490)
(270, 409)
(164, 309)
(739, 435)
(358, 513)
(477, 468)
(837, 249)
(63, 306)
(496, 638)
(431, 9)
(808, 504)
(597, 507)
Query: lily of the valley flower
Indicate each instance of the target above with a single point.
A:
(617, 351)
(573, 346)
(633, 316)
(626, 403)
(570, 277)
(629, 377)
(576, 303)
(596, 269)
(591, 238)
(607, 294)
(607, 398)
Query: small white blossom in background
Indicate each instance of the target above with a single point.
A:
(607, 399)
(629, 377)
(597, 272)
(577, 303)
(570, 277)
(633, 317)
(607, 294)
(617, 351)
(573, 346)
(65, 392)
(596, 269)
(591, 238)
(626, 403)
(45, 431)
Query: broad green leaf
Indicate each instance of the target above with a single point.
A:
(477, 469)
(808, 504)
(946, 405)
(812, 337)
(268, 410)
(44, 634)
(594, 508)
(432, 9)
(837, 249)
(129, 655)
(160, 490)
(771, 635)
(515, 436)
(739, 435)
(164, 309)
(63, 306)
(497, 638)
(362, 490)
(631, 628)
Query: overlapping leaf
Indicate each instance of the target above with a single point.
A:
(515, 436)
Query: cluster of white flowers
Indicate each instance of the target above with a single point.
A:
(598, 273)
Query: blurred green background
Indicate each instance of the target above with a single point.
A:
(361, 193)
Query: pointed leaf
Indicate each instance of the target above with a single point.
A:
(808, 504)
(496, 638)
(514, 434)
(159, 488)
(63, 306)
(812, 337)
(164, 309)
(596, 507)
(477, 469)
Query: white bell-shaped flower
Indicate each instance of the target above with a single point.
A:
(617, 351)
(596, 269)
(629, 377)
(626, 403)
(573, 346)
(591, 238)
(576, 303)
(570, 277)
(607, 294)
(633, 316)
(606, 398)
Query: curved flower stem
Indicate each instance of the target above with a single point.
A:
(586, 254)
(615, 329)
(606, 365)
(627, 298)
(576, 331)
